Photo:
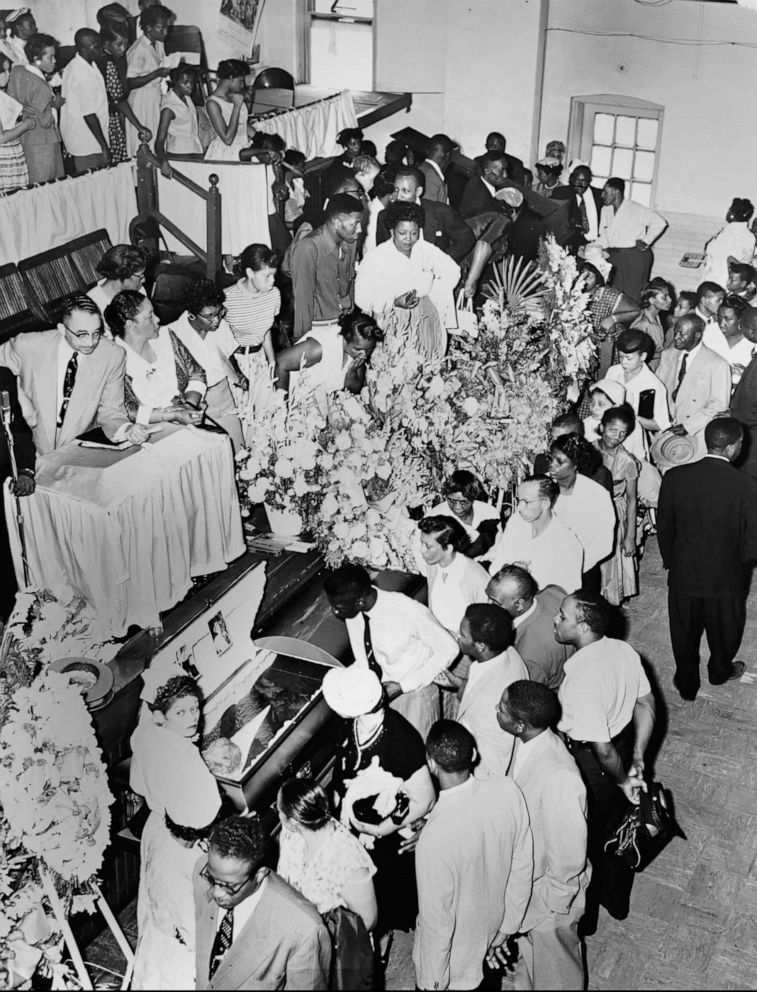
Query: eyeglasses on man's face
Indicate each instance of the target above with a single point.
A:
(83, 335)
(227, 887)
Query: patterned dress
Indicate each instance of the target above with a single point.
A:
(114, 71)
(13, 170)
(619, 573)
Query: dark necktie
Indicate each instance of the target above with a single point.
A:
(584, 215)
(681, 374)
(222, 942)
(369, 652)
(68, 385)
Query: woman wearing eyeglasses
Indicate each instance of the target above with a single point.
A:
(463, 500)
(205, 333)
(121, 267)
(182, 796)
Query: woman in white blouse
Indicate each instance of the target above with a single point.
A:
(583, 505)
(480, 520)
(163, 382)
(735, 240)
(121, 267)
(410, 283)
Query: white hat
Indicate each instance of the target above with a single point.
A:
(613, 390)
(352, 691)
(512, 197)
(594, 254)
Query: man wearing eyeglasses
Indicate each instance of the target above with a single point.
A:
(70, 379)
(253, 930)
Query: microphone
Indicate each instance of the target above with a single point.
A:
(5, 407)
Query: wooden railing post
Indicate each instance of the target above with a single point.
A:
(147, 191)
(214, 261)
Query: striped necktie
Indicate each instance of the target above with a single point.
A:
(221, 944)
(68, 385)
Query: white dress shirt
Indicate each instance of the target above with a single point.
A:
(212, 352)
(451, 590)
(411, 646)
(602, 685)
(631, 222)
(241, 914)
(84, 92)
(736, 240)
(554, 557)
(589, 512)
(591, 214)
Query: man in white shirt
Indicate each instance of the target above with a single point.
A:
(532, 613)
(537, 540)
(608, 714)
(542, 767)
(211, 342)
(253, 929)
(84, 115)
(397, 638)
(486, 637)
(697, 380)
(627, 230)
(70, 379)
(473, 863)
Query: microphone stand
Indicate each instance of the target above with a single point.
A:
(6, 417)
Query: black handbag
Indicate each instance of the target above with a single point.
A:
(352, 963)
(645, 829)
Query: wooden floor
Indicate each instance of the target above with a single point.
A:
(693, 921)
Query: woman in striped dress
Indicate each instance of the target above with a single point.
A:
(13, 170)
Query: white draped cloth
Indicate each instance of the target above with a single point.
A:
(244, 204)
(313, 129)
(129, 529)
(35, 220)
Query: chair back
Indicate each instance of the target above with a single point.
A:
(86, 253)
(278, 91)
(19, 309)
(188, 38)
(52, 276)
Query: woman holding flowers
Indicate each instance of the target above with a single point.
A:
(182, 796)
(408, 283)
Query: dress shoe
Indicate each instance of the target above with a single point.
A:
(686, 696)
(739, 667)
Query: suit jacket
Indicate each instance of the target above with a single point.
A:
(556, 801)
(515, 168)
(477, 199)
(97, 397)
(284, 944)
(543, 656)
(36, 96)
(443, 226)
(434, 188)
(23, 442)
(575, 235)
(705, 390)
(744, 408)
(523, 235)
(707, 528)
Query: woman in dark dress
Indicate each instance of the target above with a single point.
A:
(381, 786)
(113, 69)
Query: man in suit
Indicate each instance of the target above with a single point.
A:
(707, 531)
(546, 773)
(486, 636)
(584, 208)
(496, 142)
(532, 613)
(442, 226)
(254, 931)
(71, 379)
(744, 400)
(697, 380)
(438, 157)
(23, 448)
(526, 227)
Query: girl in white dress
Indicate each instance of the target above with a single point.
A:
(145, 69)
(228, 112)
(179, 129)
(182, 795)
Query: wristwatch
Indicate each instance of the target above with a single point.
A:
(27, 471)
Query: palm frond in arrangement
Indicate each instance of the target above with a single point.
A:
(518, 283)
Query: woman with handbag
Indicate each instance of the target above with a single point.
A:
(328, 865)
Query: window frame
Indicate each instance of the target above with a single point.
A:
(581, 127)
(306, 15)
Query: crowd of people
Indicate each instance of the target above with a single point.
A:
(491, 740)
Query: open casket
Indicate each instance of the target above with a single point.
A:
(263, 711)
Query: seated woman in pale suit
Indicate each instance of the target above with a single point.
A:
(320, 857)
(408, 283)
(163, 382)
(326, 360)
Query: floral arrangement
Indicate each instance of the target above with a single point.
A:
(355, 472)
(279, 465)
(54, 825)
